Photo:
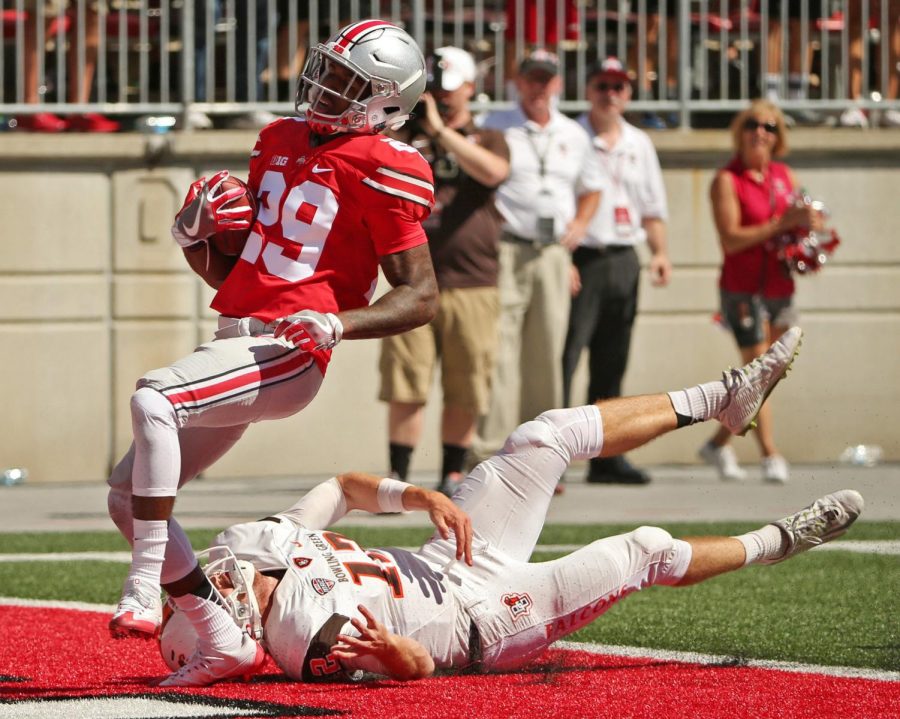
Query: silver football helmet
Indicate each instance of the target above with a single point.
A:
(178, 638)
(365, 78)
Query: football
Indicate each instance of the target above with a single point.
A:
(231, 242)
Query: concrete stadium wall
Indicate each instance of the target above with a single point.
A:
(93, 293)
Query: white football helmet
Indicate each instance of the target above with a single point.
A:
(372, 68)
(178, 638)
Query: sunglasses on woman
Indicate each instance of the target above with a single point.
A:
(752, 125)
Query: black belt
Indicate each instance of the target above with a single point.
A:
(603, 249)
(536, 244)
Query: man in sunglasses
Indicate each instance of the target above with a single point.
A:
(633, 210)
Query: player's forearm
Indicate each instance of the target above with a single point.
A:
(400, 310)
(360, 491)
(370, 493)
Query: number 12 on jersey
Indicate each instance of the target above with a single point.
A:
(382, 568)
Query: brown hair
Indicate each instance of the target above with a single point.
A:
(760, 107)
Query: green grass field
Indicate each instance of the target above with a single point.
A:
(833, 608)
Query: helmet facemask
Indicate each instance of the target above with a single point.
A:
(325, 70)
(178, 638)
(224, 569)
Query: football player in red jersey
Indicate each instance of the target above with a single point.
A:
(336, 200)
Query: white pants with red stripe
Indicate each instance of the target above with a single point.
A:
(210, 398)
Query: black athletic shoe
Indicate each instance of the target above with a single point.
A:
(615, 470)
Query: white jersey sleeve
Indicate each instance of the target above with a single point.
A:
(320, 507)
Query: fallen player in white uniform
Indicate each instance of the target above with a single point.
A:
(325, 608)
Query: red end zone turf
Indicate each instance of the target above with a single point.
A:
(58, 662)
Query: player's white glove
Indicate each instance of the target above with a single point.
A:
(310, 330)
(206, 211)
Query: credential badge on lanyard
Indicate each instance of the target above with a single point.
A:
(546, 211)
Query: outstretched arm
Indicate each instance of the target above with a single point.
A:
(326, 503)
(399, 657)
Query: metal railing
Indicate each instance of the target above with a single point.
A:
(689, 58)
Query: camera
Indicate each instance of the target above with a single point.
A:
(433, 76)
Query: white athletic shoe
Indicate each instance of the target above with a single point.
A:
(202, 670)
(775, 469)
(749, 386)
(854, 117)
(823, 520)
(724, 460)
(136, 616)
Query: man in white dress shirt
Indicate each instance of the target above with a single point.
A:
(633, 211)
(552, 191)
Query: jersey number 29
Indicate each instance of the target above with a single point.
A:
(306, 219)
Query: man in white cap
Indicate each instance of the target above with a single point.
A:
(552, 192)
(463, 235)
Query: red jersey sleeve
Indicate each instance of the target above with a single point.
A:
(397, 184)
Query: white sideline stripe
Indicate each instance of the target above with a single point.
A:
(890, 547)
(56, 604)
(696, 658)
(608, 649)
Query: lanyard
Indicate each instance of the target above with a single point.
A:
(541, 156)
(614, 174)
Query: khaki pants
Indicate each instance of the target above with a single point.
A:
(534, 316)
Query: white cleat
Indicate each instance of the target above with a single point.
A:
(749, 386)
(136, 617)
(724, 460)
(823, 520)
(202, 670)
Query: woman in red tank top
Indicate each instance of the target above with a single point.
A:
(751, 203)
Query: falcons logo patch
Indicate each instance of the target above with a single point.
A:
(519, 605)
(321, 585)
(302, 562)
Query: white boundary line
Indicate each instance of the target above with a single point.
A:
(890, 547)
(608, 649)
(695, 658)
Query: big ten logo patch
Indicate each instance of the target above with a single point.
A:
(519, 605)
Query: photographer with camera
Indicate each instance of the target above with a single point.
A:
(463, 235)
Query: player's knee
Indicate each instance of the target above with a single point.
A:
(653, 540)
(667, 558)
(579, 429)
(534, 433)
(149, 407)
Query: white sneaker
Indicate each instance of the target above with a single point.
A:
(136, 617)
(775, 469)
(749, 386)
(253, 120)
(724, 460)
(197, 120)
(891, 118)
(854, 117)
(202, 670)
(823, 520)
